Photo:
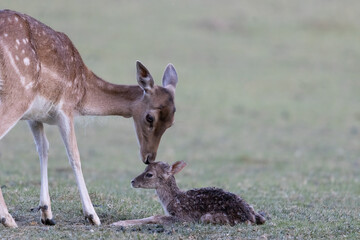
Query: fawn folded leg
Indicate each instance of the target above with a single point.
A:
(222, 219)
(67, 130)
(42, 146)
(158, 219)
(215, 218)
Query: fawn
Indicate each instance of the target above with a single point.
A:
(207, 205)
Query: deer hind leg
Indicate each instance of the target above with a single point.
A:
(9, 116)
(5, 217)
(42, 146)
(6, 123)
(158, 219)
(66, 127)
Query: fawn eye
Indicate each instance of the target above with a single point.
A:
(149, 118)
(149, 175)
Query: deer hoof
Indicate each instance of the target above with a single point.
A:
(93, 219)
(49, 222)
(10, 222)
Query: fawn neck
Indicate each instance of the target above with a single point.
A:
(104, 98)
(168, 191)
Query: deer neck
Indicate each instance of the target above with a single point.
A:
(103, 98)
(168, 192)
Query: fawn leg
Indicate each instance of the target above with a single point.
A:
(222, 219)
(216, 218)
(158, 219)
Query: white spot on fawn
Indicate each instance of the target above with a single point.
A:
(17, 41)
(23, 51)
(9, 19)
(16, 19)
(17, 58)
(26, 61)
(24, 40)
(5, 34)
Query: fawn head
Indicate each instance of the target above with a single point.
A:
(156, 174)
(155, 112)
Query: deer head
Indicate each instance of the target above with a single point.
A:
(156, 174)
(154, 113)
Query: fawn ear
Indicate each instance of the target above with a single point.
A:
(170, 78)
(143, 76)
(177, 167)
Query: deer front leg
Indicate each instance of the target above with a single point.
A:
(158, 219)
(67, 130)
(42, 146)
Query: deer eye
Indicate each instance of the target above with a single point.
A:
(149, 118)
(148, 175)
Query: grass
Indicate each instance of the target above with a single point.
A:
(267, 107)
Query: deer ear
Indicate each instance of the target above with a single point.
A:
(177, 167)
(170, 78)
(144, 77)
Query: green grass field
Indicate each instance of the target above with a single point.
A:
(267, 107)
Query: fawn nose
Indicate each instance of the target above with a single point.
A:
(132, 183)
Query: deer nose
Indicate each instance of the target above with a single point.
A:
(150, 157)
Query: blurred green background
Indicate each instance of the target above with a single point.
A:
(267, 107)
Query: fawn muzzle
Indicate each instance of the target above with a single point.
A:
(134, 184)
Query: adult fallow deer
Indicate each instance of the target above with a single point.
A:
(44, 80)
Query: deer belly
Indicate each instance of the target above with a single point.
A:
(42, 110)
